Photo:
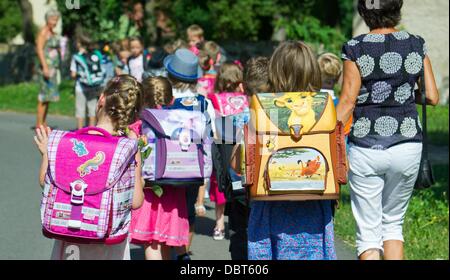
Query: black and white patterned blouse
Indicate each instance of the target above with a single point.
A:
(390, 65)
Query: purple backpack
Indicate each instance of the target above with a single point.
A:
(180, 146)
(88, 187)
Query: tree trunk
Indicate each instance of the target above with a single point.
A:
(27, 17)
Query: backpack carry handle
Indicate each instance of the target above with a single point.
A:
(93, 128)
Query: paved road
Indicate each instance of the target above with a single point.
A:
(20, 230)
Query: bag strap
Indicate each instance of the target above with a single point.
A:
(424, 117)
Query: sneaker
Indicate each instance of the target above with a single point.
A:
(218, 234)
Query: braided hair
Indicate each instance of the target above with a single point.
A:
(123, 99)
(157, 92)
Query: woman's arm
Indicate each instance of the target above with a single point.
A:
(430, 85)
(40, 44)
(351, 87)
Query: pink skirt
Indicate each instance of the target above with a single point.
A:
(214, 194)
(163, 220)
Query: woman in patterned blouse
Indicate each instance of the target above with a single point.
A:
(381, 70)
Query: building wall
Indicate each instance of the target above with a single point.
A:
(429, 19)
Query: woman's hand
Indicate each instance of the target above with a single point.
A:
(46, 72)
(41, 139)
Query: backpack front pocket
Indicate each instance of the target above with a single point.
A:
(295, 170)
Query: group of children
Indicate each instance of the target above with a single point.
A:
(175, 77)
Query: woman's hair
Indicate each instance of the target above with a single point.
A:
(182, 85)
(229, 77)
(330, 66)
(293, 67)
(52, 13)
(386, 15)
(157, 91)
(123, 99)
(209, 51)
(256, 75)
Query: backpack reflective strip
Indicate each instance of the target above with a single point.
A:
(68, 207)
(65, 223)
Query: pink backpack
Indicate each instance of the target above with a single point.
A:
(229, 103)
(180, 146)
(88, 187)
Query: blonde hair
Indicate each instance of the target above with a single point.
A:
(229, 77)
(195, 30)
(293, 67)
(172, 47)
(330, 66)
(256, 75)
(123, 99)
(210, 50)
(182, 85)
(156, 91)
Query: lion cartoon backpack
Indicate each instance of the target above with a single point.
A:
(294, 147)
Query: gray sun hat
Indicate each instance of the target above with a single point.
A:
(183, 65)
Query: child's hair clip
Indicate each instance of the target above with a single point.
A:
(116, 79)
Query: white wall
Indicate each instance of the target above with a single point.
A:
(429, 19)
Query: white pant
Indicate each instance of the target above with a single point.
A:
(381, 184)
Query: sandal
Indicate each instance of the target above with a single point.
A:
(200, 210)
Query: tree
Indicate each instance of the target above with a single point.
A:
(10, 20)
(28, 27)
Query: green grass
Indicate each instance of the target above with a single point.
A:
(426, 223)
(437, 122)
(23, 98)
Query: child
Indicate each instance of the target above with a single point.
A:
(229, 80)
(87, 69)
(162, 221)
(331, 70)
(116, 109)
(195, 36)
(182, 68)
(298, 230)
(256, 80)
(196, 39)
(155, 66)
(122, 64)
(136, 62)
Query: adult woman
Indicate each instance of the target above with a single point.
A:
(381, 70)
(47, 49)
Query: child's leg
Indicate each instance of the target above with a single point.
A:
(200, 209)
(153, 252)
(91, 105)
(80, 123)
(166, 252)
(220, 217)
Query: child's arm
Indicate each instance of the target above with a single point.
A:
(138, 194)
(41, 140)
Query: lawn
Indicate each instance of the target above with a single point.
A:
(23, 98)
(426, 224)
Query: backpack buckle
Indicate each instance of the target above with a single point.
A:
(295, 132)
(78, 189)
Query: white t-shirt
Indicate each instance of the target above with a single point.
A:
(137, 67)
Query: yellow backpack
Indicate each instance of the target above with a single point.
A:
(294, 147)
